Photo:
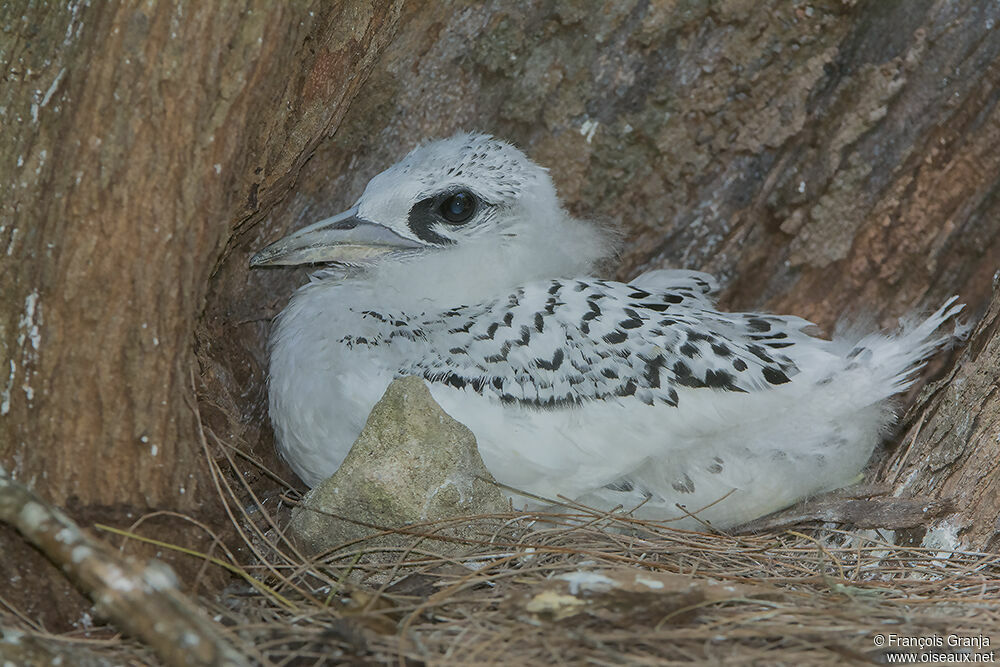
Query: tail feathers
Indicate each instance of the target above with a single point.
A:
(897, 360)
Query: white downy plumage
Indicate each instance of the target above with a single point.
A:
(459, 265)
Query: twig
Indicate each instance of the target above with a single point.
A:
(887, 513)
(142, 600)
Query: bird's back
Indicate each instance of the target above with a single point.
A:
(564, 343)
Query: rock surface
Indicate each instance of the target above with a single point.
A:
(411, 464)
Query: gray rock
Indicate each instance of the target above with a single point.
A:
(412, 463)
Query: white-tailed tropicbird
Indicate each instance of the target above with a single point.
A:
(459, 265)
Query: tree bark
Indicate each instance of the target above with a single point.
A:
(952, 449)
(138, 140)
(825, 159)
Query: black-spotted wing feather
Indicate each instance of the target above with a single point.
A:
(564, 343)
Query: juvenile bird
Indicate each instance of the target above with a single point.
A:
(459, 265)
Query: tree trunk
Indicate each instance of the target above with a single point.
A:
(138, 139)
(825, 158)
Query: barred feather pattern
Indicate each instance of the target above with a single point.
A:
(563, 343)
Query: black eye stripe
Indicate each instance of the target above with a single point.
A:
(422, 219)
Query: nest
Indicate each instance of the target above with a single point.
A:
(574, 588)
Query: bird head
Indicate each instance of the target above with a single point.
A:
(468, 198)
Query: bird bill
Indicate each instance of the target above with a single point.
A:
(344, 238)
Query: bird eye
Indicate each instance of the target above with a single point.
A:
(459, 207)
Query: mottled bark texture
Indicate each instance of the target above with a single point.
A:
(822, 158)
(138, 139)
(952, 449)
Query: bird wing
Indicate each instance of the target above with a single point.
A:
(562, 343)
(695, 282)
